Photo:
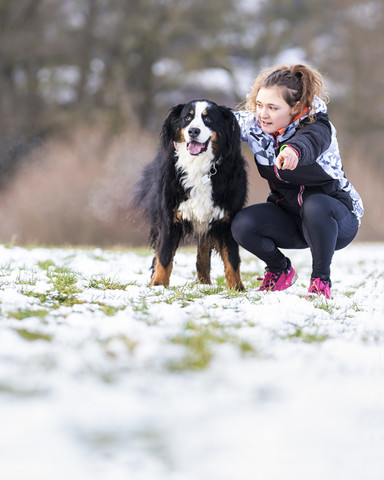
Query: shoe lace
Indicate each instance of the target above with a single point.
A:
(318, 286)
(269, 280)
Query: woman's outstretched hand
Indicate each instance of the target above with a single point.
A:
(287, 159)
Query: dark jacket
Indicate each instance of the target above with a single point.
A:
(319, 169)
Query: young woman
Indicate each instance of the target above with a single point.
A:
(311, 202)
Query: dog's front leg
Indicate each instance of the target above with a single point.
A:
(165, 249)
(203, 261)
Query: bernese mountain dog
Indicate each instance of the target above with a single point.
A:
(193, 188)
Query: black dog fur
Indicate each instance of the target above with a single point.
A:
(164, 191)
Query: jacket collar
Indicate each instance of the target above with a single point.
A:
(318, 105)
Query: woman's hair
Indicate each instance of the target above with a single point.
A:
(299, 83)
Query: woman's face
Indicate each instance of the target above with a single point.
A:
(272, 111)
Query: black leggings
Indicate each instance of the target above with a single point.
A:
(325, 225)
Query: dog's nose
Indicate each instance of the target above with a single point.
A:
(194, 132)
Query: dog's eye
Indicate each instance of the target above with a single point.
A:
(208, 120)
(188, 118)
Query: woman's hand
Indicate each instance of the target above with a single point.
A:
(287, 159)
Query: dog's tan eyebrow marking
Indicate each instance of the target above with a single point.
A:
(205, 112)
(192, 111)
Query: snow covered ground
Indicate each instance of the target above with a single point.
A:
(102, 377)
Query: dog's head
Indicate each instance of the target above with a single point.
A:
(199, 125)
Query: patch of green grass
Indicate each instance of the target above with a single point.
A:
(356, 307)
(63, 271)
(307, 337)
(46, 265)
(233, 293)
(97, 257)
(221, 282)
(110, 310)
(204, 290)
(44, 298)
(140, 307)
(126, 341)
(199, 342)
(33, 336)
(23, 313)
(198, 350)
(185, 294)
(349, 294)
(65, 289)
(5, 270)
(23, 279)
(107, 283)
(251, 279)
(21, 391)
(324, 304)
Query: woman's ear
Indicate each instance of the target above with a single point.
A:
(297, 108)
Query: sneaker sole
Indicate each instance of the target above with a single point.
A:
(294, 278)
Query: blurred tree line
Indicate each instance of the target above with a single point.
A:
(126, 62)
(121, 64)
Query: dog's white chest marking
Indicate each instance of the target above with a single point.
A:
(196, 172)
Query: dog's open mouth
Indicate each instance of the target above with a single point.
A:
(196, 148)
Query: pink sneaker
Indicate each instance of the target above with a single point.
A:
(274, 281)
(320, 287)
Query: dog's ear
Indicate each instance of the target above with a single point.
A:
(232, 131)
(168, 130)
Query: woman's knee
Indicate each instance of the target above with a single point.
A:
(315, 207)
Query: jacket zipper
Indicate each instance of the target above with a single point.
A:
(300, 195)
(301, 191)
(274, 135)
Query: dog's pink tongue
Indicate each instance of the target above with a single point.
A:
(195, 148)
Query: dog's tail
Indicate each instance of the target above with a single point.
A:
(143, 190)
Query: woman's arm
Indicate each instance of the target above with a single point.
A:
(246, 120)
(310, 140)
